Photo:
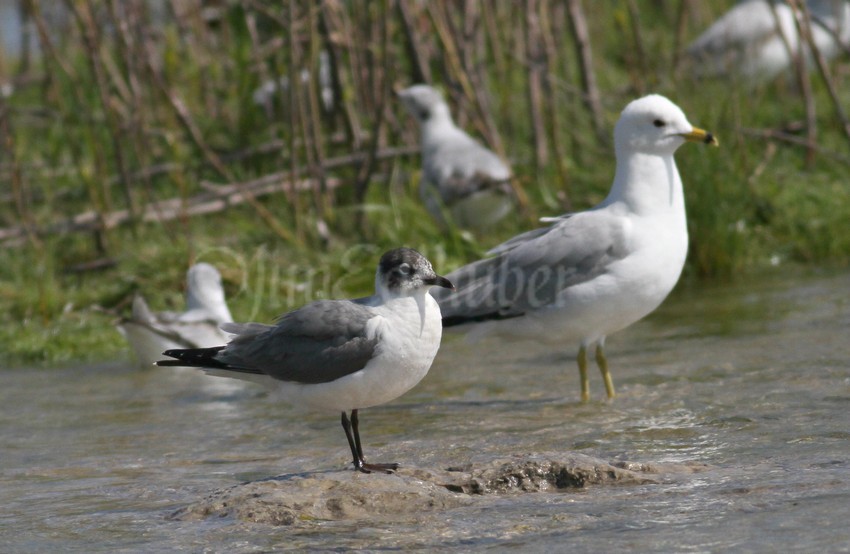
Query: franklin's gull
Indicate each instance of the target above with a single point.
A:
(341, 355)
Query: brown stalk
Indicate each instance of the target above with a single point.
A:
(45, 40)
(185, 118)
(590, 90)
(682, 14)
(550, 53)
(213, 200)
(458, 54)
(495, 38)
(333, 26)
(132, 30)
(535, 65)
(312, 122)
(804, 27)
(20, 190)
(474, 91)
(84, 14)
(802, 75)
(774, 134)
(640, 50)
(384, 92)
(418, 57)
(295, 121)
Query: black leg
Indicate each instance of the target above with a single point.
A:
(366, 468)
(346, 426)
(355, 425)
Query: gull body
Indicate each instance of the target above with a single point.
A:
(340, 355)
(459, 175)
(596, 272)
(149, 333)
(749, 41)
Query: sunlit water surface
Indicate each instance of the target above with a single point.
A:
(751, 379)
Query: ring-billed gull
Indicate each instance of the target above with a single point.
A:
(341, 355)
(756, 39)
(150, 333)
(596, 272)
(459, 175)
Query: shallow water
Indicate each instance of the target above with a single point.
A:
(752, 379)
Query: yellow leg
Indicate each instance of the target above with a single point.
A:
(602, 362)
(582, 369)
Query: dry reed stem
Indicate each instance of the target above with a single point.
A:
(534, 62)
(91, 41)
(804, 27)
(802, 75)
(590, 89)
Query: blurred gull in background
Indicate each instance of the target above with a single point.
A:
(460, 177)
(150, 334)
(747, 41)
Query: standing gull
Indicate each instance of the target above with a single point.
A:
(459, 175)
(756, 39)
(341, 355)
(150, 333)
(596, 272)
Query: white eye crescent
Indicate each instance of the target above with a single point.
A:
(405, 269)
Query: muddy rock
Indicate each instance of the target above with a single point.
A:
(405, 495)
(337, 495)
(541, 472)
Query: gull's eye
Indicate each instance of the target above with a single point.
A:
(405, 269)
(659, 123)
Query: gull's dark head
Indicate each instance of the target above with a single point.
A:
(404, 272)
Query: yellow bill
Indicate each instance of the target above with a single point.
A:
(700, 135)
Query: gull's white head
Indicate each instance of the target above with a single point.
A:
(425, 103)
(406, 272)
(204, 289)
(655, 125)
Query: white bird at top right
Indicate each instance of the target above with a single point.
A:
(756, 40)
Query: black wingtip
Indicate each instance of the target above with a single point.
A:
(191, 357)
(173, 353)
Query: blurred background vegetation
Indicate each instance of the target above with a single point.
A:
(140, 136)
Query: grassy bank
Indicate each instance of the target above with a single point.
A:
(113, 117)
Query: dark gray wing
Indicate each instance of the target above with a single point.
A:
(530, 270)
(318, 343)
